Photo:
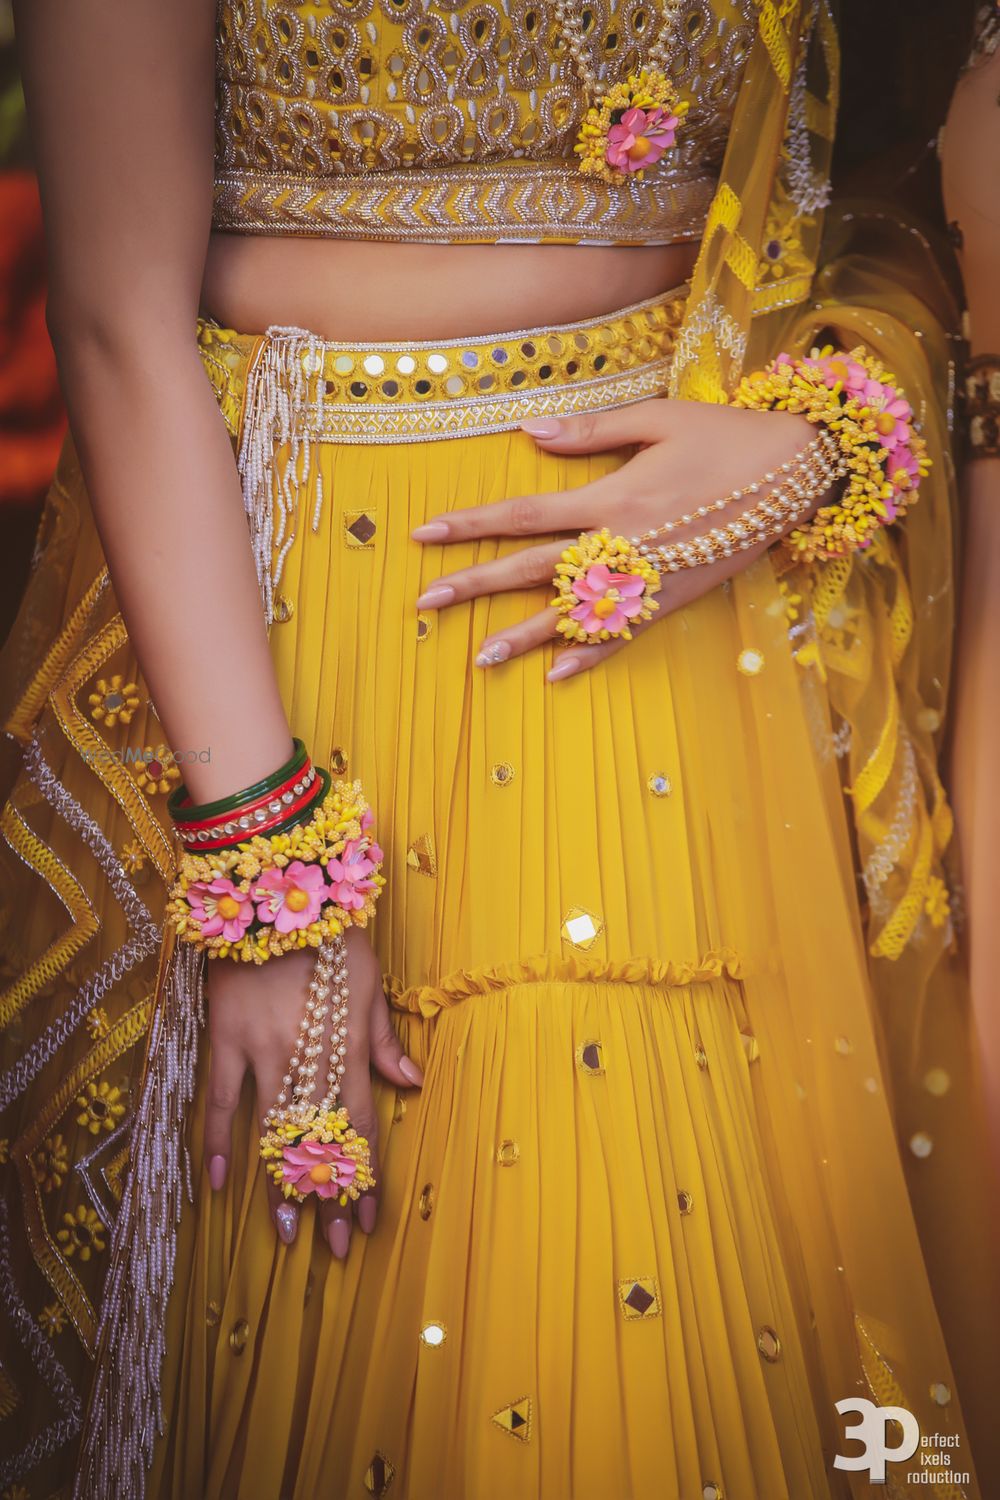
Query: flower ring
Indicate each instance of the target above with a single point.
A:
(318, 1152)
(603, 585)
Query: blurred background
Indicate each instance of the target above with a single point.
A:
(900, 60)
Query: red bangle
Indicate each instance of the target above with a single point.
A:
(277, 805)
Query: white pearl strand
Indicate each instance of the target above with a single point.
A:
(570, 26)
(793, 498)
(810, 451)
(329, 977)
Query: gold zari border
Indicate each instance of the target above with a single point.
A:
(414, 423)
(520, 202)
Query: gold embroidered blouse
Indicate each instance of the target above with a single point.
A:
(455, 120)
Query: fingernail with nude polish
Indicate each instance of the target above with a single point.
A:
(409, 1070)
(565, 667)
(439, 593)
(339, 1235)
(288, 1222)
(217, 1172)
(541, 429)
(495, 652)
(366, 1214)
(431, 531)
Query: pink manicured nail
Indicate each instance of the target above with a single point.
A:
(366, 1214)
(409, 1070)
(431, 531)
(288, 1222)
(495, 652)
(339, 1235)
(564, 667)
(542, 429)
(439, 593)
(217, 1172)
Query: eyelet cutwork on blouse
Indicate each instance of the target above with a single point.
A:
(445, 120)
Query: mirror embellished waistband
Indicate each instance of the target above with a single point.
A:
(418, 391)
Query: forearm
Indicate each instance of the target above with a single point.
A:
(165, 490)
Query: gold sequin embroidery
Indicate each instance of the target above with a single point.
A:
(360, 528)
(401, 122)
(420, 855)
(580, 927)
(515, 1419)
(589, 1057)
(639, 1297)
(379, 1474)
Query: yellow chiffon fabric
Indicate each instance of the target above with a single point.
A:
(532, 1182)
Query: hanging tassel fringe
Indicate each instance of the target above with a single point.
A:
(278, 403)
(125, 1413)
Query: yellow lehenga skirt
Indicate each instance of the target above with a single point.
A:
(647, 1220)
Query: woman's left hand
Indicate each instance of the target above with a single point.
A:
(689, 454)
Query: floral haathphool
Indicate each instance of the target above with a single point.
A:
(321, 1154)
(278, 892)
(630, 127)
(864, 406)
(603, 586)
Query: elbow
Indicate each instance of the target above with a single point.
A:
(89, 330)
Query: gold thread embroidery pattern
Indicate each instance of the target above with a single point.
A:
(48, 1256)
(68, 890)
(91, 748)
(336, 119)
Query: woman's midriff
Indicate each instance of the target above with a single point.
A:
(371, 290)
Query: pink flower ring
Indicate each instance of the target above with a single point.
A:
(608, 599)
(320, 1167)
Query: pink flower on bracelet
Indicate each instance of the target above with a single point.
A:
(220, 908)
(350, 872)
(640, 138)
(320, 1167)
(608, 600)
(893, 414)
(290, 898)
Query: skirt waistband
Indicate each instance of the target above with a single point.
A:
(417, 391)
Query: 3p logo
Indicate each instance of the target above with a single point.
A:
(871, 1431)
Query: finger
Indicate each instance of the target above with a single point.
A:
(284, 1211)
(225, 1082)
(387, 1055)
(684, 588)
(596, 431)
(335, 1220)
(525, 515)
(356, 1095)
(582, 658)
(518, 639)
(530, 568)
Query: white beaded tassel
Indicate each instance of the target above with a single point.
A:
(125, 1412)
(277, 409)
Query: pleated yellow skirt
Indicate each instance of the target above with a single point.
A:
(606, 1262)
(648, 1220)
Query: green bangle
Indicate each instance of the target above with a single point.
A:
(196, 812)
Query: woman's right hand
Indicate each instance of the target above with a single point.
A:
(253, 1020)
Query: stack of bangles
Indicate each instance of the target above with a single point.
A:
(867, 438)
(287, 864)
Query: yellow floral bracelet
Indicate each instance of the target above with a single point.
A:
(865, 408)
(275, 893)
